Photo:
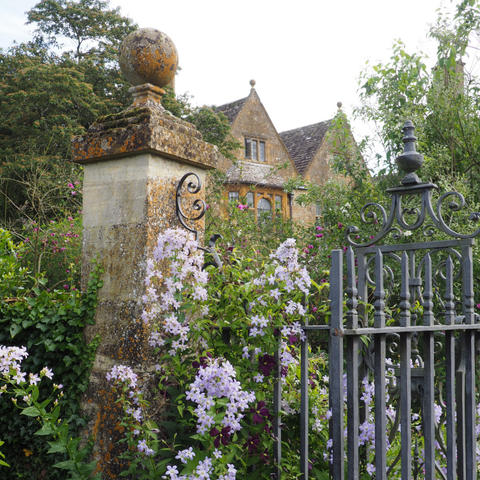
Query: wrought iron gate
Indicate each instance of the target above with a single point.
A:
(403, 301)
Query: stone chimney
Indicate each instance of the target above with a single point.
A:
(133, 162)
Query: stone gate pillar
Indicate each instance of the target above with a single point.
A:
(133, 161)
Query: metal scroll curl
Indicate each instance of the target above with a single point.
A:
(455, 205)
(193, 186)
(369, 215)
(427, 217)
(407, 217)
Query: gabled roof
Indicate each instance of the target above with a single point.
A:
(302, 143)
(231, 110)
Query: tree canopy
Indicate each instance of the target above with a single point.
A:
(443, 102)
(53, 87)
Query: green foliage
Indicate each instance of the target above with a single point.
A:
(54, 249)
(220, 329)
(392, 92)
(25, 396)
(346, 154)
(3, 463)
(443, 103)
(49, 93)
(214, 126)
(50, 324)
(243, 230)
(89, 23)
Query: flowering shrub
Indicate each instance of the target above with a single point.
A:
(54, 249)
(50, 324)
(24, 392)
(222, 338)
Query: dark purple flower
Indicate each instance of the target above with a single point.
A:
(202, 361)
(266, 363)
(260, 412)
(222, 436)
(252, 443)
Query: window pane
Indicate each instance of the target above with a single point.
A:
(232, 196)
(264, 208)
(254, 149)
(262, 152)
(249, 198)
(278, 202)
(248, 148)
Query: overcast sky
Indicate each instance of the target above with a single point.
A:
(305, 55)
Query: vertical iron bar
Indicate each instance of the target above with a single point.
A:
(470, 414)
(405, 373)
(352, 372)
(428, 381)
(336, 363)
(363, 321)
(277, 421)
(450, 370)
(460, 402)
(362, 289)
(380, 398)
(304, 407)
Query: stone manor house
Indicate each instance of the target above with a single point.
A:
(267, 159)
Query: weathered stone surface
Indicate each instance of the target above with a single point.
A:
(148, 56)
(252, 121)
(133, 163)
(147, 128)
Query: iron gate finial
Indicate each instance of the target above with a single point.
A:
(403, 218)
(410, 160)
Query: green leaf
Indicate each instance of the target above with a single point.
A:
(15, 329)
(31, 412)
(66, 465)
(45, 430)
(56, 447)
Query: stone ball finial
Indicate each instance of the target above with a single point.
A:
(339, 105)
(148, 56)
(252, 83)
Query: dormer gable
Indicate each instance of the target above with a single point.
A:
(259, 139)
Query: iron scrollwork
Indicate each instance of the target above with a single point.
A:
(411, 185)
(192, 184)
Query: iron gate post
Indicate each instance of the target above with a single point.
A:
(336, 364)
